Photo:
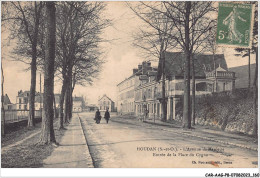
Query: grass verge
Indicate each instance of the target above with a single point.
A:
(28, 154)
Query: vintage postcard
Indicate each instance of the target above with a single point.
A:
(129, 84)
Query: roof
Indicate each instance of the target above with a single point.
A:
(174, 62)
(242, 75)
(220, 69)
(126, 79)
(23, 93)
(106, 97)
(7, 100)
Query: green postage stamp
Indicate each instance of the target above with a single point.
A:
(235, 25)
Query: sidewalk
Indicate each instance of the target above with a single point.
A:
(211, 134)
(73, 151)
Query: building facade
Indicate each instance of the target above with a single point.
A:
(105, 103)
(7, 103)
(147, 86)
(22, 100)
(78, 104)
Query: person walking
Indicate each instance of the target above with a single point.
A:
(98, 117)
(107, 116)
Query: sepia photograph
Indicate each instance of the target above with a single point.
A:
(130, 84)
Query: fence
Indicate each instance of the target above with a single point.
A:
(12, 116)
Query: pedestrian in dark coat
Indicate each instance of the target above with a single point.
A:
(98, 117)
(107, 116)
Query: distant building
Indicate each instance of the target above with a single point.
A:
(7, 103)
(126, 97)
(105, 103)
(22, 100)
(78, 103)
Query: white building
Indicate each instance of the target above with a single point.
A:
(105, 103)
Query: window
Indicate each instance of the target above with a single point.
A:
(25, 107)
(20, 100)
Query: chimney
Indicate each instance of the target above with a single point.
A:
(135, 70)
(144, 69)
(19, 92)
(139, 67)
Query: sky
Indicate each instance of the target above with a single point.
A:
(121, 57)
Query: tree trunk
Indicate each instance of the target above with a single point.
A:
(193, 91)
(62, 96)
(32, 89)
(41, 94)
(47, 132)
(70, 93)
(186, 103)
(71, 100)
(255, 126)
(73, 83)
(2, 103)
(55, 109)
(164, 108)
(33, 71)
(66, 111)
(249, 71)
(71, 104)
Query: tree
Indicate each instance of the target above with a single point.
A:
(208, 44)
(47, 132)
(79, 25)
(24, 20)
(186, 102)
(153, 39)
(191, 22)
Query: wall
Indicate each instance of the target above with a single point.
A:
(229, 111)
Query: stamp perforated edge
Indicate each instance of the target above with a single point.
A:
(251, 29)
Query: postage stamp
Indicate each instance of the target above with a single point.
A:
(235, 25)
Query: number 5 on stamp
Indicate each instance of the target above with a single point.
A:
(235, 25)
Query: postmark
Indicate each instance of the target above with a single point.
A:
(235, 25)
